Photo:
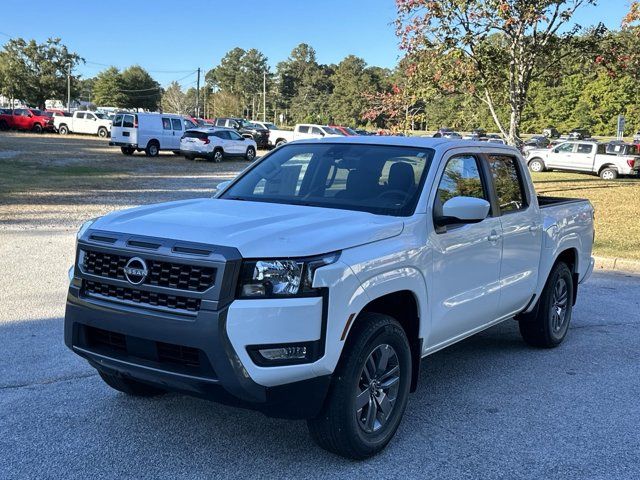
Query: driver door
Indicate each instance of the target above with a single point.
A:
(465, 272)
(561, 156)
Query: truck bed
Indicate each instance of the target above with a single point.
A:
(545, 201)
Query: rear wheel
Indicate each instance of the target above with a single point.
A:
(369, 392)
(103, 132)
(153, 149)
(218, 155)
(550, 324)
(608, 174)
(251, 154)
(63, 130)
(536, 165)
(127, 150)
(37, 128)
(130, 386)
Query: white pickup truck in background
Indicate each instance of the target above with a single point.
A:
(93, 123)
(278, 137)
(583, 156)
(314, 283)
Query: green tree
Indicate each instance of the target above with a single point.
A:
(140, 89)
(108, 89)
(351, 82)
(35, 72)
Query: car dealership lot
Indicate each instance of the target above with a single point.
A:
(489, 407)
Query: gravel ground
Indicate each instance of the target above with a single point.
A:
(488, 407)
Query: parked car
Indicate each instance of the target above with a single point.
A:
(536, 142)
(216, 143)
(479, 132)
(583, 156)
(247, 129)
(551, 132)
(92, 123)
(441, 132)
(314, 283)
(277, 136)
(306, 131)
(151, 132)
(346, 131)
(28, 119)
(579, 134)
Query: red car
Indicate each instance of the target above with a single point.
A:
(349, 132)
(26, 119)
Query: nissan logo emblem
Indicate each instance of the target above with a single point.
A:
(135, 271)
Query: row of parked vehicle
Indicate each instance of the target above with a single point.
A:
(39, 121)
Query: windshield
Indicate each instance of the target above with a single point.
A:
(379, 179)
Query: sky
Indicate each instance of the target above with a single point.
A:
(172, 39)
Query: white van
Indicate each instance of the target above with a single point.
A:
(150, 132)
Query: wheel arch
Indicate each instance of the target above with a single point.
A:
(608, 165)
(153, 140)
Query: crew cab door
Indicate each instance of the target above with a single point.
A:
(90, 124)
(584, 156)
(466, 258)
(521, 233)
(561, 156)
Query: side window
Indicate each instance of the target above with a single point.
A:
(220, 122)
(316, 131)
(177, 124)
(565, 148)
(224, 135)
(508, 182)
(166, 123)
(127, 121)
(461, 178)
(234, 135)
(80, 115)
(89, 116)
(585, 148)
(303, 129)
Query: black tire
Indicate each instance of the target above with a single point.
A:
(280, 142)
(177, 152)
(4, 126)
(63, 130)
(536, 165)
(608, 173)
(103, 132)
(250, 155)
(130, 386)
(340, 427)
(153, 149)
(127, 150)
(37, 128)
(218, 155)
(543, 329)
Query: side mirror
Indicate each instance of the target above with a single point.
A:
(462, 210)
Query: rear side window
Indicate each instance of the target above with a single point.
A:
(176, 123)
(461, 178)
(584, 148)
(127, 121)
(166, 124)
(508, 182)
(117, 121)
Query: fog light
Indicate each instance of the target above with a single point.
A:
(284, 353)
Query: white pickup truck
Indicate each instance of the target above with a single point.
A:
(312, 285)
(278, 137)
(583, 156)
(93, 123)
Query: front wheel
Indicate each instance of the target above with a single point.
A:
(37, 128)
(536, 165)
(609, 174)
(218, 155)
(548, 327)
(369, 392)
(251, 154)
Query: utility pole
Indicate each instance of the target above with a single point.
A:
(69, 87)
(264, 97)
(198, 95)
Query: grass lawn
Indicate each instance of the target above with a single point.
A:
(617, 205)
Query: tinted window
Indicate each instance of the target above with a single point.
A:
(508, 183)
(565, 148)
(584, 148)
(80, 115)
(127, 121)
(234, 135)
(117, 121)
(176, 123)
(303, 129)
(21, 112)
(166, 124)
(220, 122)
(223, 134)
(316, 131)
(371, 178)
(461, 178)
(191, 134)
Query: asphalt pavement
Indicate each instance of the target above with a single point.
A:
(488, 407)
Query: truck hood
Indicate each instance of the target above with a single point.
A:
(256, 229)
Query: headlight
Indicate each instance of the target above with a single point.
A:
(85, 226)
(281, 278)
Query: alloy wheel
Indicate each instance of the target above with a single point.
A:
(377, 388)
(559, 305)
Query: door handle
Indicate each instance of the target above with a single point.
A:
(494, 236)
